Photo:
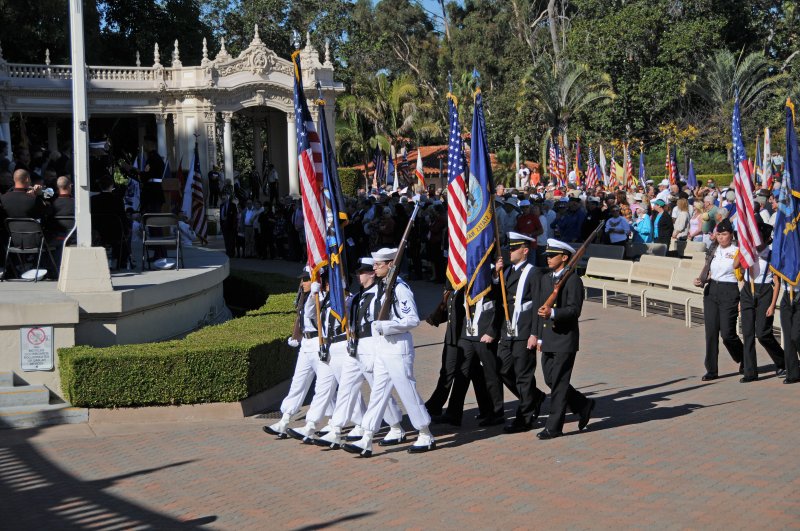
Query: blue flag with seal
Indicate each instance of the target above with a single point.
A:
(786, 241)
(335, 220)
(480, 211)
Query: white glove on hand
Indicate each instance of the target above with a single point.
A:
(315, 287)
(377, 328)
(293, 342)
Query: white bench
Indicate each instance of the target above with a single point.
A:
(643, 277)
(601, 272)
(681, 291)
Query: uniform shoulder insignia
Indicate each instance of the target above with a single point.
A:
(404, 307)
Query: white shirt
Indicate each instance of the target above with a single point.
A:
(542, 238)
(663, 195)
(762, 272)
(721, 269)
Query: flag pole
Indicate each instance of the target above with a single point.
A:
(500, 274)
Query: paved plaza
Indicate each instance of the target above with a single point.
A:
(664, 450)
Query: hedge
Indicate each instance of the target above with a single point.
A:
(351, 179)
(222, 363)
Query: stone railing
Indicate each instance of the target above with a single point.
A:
(102, 73)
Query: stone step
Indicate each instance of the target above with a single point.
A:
(47, 415)
(6, 379)
(24, 395)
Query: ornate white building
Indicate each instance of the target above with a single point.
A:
(183, 101)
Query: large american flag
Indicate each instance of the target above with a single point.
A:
(671, 166)
(456, 202)
(591, 171)
(309, 168)
(562, 166)
(629, 182)
(552, 168)
(746, 226)
(198, 209)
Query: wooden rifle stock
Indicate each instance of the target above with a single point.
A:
(707, 266)
(300, 301)
(391, 277)
(572, 265)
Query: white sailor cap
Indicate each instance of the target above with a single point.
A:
(664, 182)
(594, 199)
(524, 202)
(558, 247)
(365, 264)
(515, 238)
(384, 255)
(306, 273)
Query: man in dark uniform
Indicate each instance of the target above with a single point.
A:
(560, 337)
(517, 347)
(152, 192)
(229, 221)
(454, 374)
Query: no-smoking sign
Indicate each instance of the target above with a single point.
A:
(36, 348)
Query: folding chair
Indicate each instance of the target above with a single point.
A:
(25, 237)
(161, 230)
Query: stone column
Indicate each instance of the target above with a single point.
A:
(141, 130)
(227, 145)
(5, 133)
(161, 134)
(258, 148)
(52, 135)
(291, 152)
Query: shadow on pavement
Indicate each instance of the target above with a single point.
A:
(325, 525)
(37, 494)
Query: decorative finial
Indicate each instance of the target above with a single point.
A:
(296, 39)
(176, 55)
(205, 50)
(327, 52)
(222, 50)
(156, 56)
(138, 59)
(47, 56)
(256, 37)
(308, 39)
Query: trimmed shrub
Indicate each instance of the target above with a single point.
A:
(350, 179)
(222, 363)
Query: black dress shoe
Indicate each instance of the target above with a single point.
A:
(707, 377)
(353, 449)
(537, 409)
(422, 449)
(746, 379)
(278, 434)
(517, 427)
(492, 421)
(294, 434)
(780, 373)
(446, 419)
(586, 414)
(791, 380)
(547, 434)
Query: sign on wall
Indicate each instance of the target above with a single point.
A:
(36, 348)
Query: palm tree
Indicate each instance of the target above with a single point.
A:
(559, 90)
(722, 75)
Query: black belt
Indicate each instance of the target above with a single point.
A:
(723, 283)
(336, 339)
(310, 335)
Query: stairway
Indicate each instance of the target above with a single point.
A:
(29, 406)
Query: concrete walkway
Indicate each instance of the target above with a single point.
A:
(665, 450)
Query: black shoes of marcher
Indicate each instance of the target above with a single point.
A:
(749, 379)
(791, 380)
(741, 367)
(780, 373)
(492, 421)
(517, 427)
(586, 414)
(446, 419)
(422, 449)
(707, 377)
(537, 409)
(481, 416)
(547, 434)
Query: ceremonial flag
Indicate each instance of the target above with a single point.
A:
(335, 220)
(418, 171)
(456, 202)
(642, 171)
(758, 165)
(552, 168)
(603, 165)
(746, 227)
(766, 161)
(578, 162)
(480, 213)
(628, 168)
(309, 166)
(194, 204)
(591, 170)
(562, 166)
(671, 166)
(379, 175)
(691, 179)
(619, 171)
(403, 166)
(786, 244)
(390, 173)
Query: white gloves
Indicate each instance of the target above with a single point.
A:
(377, 328)
(315, 287)
(293, 342)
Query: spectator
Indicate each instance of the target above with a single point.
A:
(228, 216)
(680, 231)
(528, 222)
(248, 219)
(662, 223)
(214, 185)
(643, 226)
(696, 223)
(617, 228)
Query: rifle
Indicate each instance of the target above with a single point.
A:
(300, 301)
(707, 266)
(439, 315)
(571, 266)
(391, 277)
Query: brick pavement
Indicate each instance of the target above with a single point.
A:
(664, 451)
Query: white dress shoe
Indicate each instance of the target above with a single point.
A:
(395, 436)
(424, 443)
(355, 434)
(363, 447)
(332, 439)
(278, 429)
(306, 434)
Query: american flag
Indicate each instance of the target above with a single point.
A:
(747, 228)
(578, 162)
(629, 181)
(591, 170)
(419, 170)
(613, 178)
(380, 169)
(562, 166)
(552, 168)
(671, 166)
(309, 166)
(197, 214)
(456, 202)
